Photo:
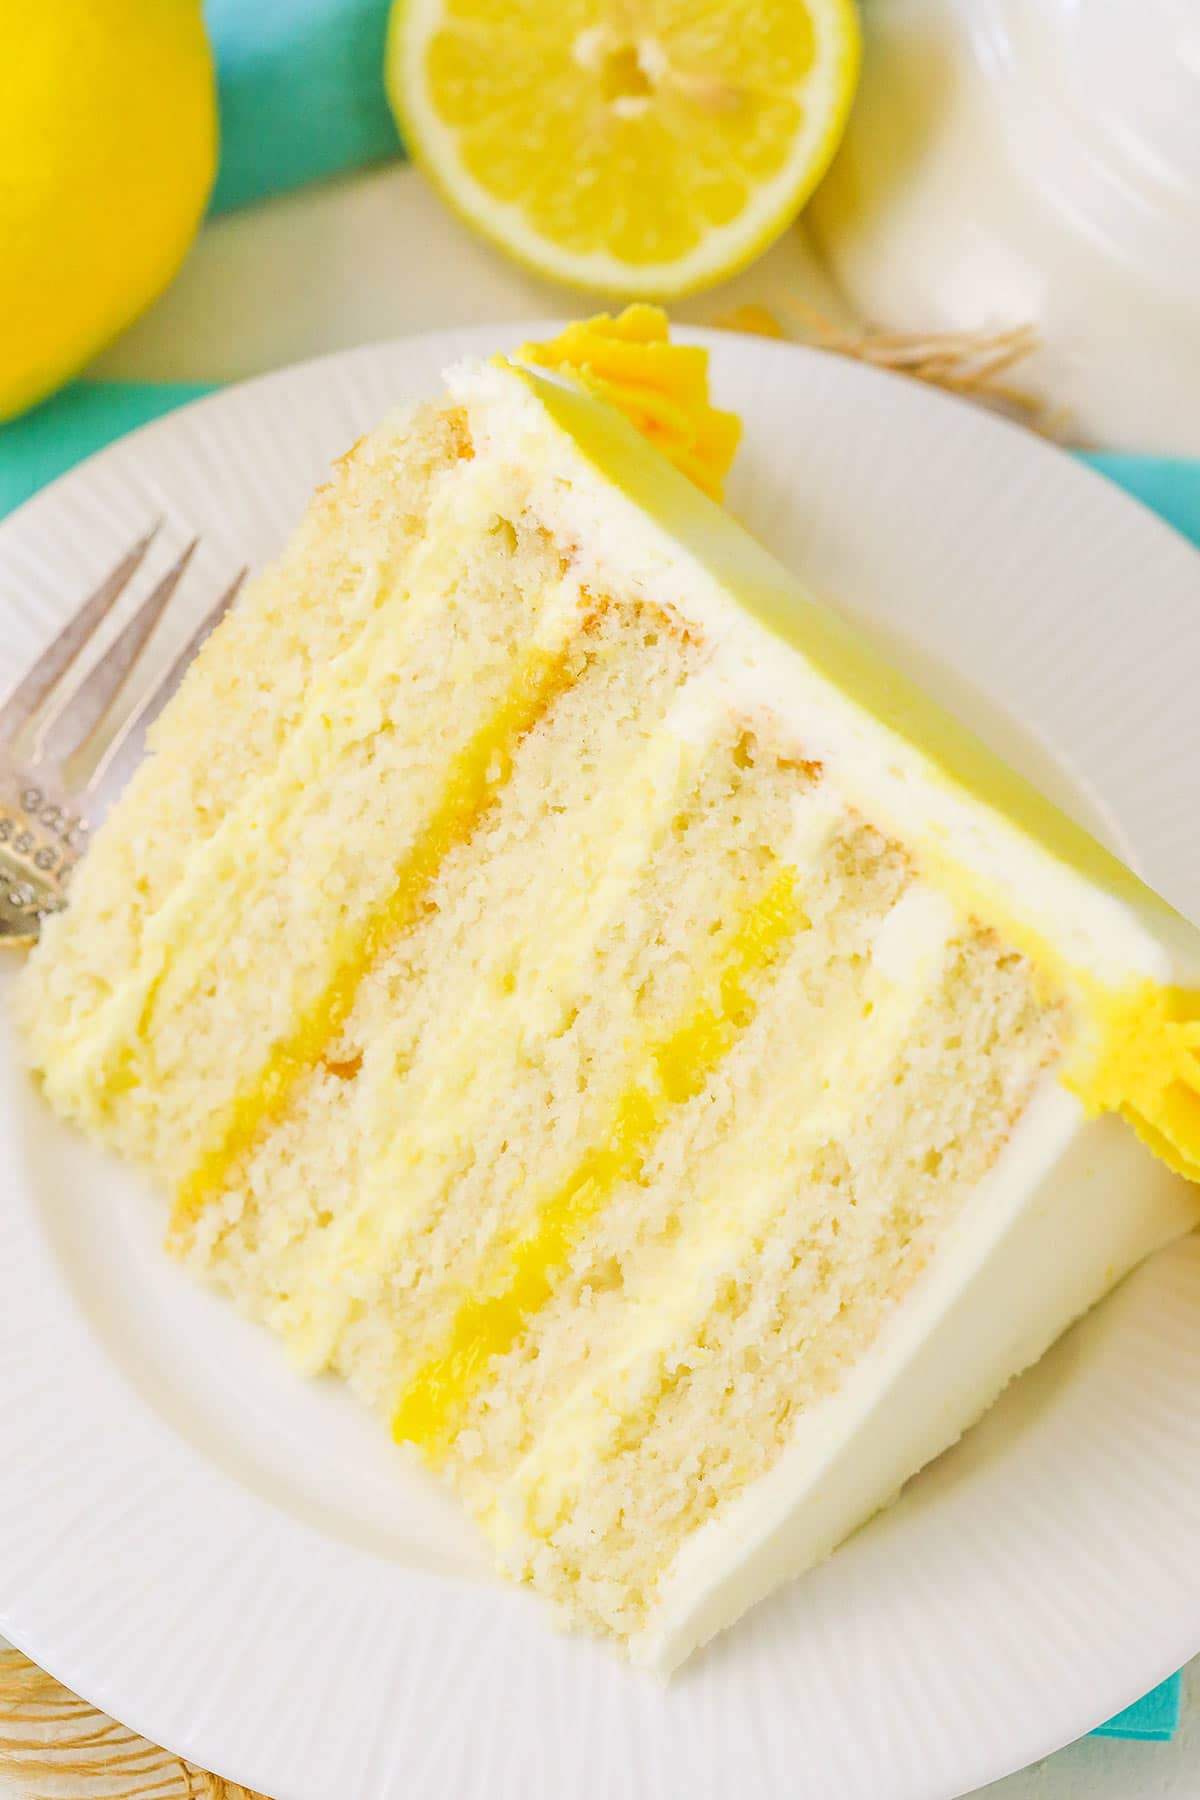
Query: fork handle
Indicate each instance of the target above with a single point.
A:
(24, 903)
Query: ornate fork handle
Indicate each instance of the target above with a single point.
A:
(53, 763)
(41, 840)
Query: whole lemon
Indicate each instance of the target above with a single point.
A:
(108, 144)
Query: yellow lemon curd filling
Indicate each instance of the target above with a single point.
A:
(523, 1276)
(472, 785)
(662, 388)
(1137, 1052)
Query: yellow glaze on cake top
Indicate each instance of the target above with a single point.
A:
(839, 652)
(660, 387)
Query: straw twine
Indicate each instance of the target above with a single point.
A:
(973, 364)
(54, 1746)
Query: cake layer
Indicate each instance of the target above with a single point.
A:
(228, 724)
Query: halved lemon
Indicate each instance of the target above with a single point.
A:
(638, 147)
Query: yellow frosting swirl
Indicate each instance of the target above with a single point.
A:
(661, 387)
(1148, 1068)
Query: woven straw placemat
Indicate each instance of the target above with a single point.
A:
(55, 1746)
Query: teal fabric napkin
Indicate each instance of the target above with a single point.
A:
(1167, 485)
(81, 418)
(84, 417)
(1152, 1719)
(300, 89)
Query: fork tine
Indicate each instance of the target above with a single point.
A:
(54, 662)
(94, 709)
(127, 746)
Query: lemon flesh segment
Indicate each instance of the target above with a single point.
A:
(646, 148)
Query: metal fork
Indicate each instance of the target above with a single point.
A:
(65, 740)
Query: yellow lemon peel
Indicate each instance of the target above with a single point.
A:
(108, 146)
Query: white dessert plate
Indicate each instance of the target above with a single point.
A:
(237, 1563)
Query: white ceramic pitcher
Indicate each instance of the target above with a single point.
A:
(1014, 160)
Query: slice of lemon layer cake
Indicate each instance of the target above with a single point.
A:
(572, 989)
